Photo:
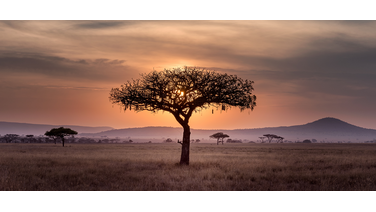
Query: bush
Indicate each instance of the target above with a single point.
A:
(233, 141)
(168, 140)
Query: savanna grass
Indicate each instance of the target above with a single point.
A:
(145, 167)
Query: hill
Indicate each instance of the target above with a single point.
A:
(40, 129)
(326, 129)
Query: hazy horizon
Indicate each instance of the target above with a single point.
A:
(61, 72)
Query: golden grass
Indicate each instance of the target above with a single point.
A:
(145, 167)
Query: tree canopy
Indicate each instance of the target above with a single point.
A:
(182, 91)
(10, 137)
(271, 136)
(60, 132)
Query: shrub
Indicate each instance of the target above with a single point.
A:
(233, 141)
(168, 140)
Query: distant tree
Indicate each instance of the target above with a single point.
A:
(10, 137)
(115, 140)
(197, 140)
(307, 141)
(218, 136)
(60, 133)
(182, 91)
(106, 140)
(30, 139)
(168, 140)
(85, 140)
(233, 141)
(262, 139)
(271, 136)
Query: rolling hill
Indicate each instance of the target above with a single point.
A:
(40, 129)
(326, 129)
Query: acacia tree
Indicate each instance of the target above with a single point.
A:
(60, 132)
(219, 135)
(182, 91)
(271, 136)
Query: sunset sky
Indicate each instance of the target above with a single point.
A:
(61, 72)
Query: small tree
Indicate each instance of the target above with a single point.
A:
(182, 91)
(219, 135)
(60, 133)
(271, 136)
(168, 140)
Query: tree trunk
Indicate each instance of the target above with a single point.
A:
(62, 140)
(184, 160)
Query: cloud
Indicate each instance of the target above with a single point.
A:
(104, 70)
(336, 66)
(101, 24)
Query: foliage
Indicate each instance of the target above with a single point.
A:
(60, 132)
(183, 91)
(271, 136)
(10, 137)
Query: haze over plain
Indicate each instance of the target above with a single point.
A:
(61, 72)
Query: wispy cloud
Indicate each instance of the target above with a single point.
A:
(101, 24)
(64, 68)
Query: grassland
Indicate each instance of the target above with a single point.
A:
(145, 167)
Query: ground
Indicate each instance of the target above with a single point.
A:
(128, 167)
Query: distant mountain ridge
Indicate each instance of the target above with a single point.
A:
(40, 129)
(329, 129)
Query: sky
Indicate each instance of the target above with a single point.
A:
(61, 72)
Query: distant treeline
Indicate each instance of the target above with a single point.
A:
(14, 138)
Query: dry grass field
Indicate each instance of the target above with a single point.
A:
(145, 167)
